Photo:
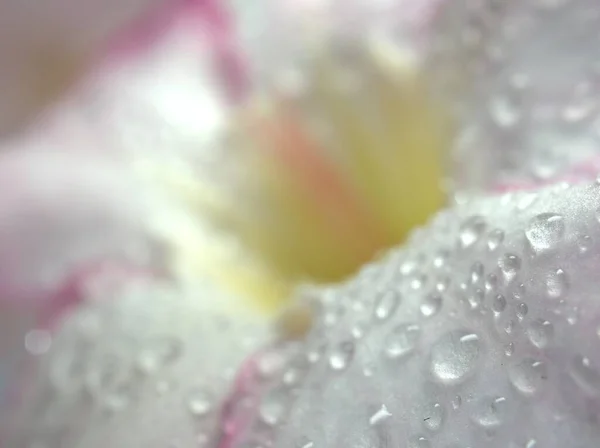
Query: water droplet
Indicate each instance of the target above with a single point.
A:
(584, 243)
(431, 305)
(585, 375)
(455, 356)
(510, 264)
(528, 376)
(509, 326)
(471, 231)
(434, 419)
(379, 416)
(540, 332)
(456, 402)
(199, 402)
(386, 304)
(418, 442)
(439, 261)
(477, 273)
(342, 355)
(159, 354)
(490, 412)
(402, 341)
(531, 443)
(272, 407)
(498, 304)
(304, 442)
(504, 111)
(522, 310)
(417, 282)
(557, 284)
(491, 283)
(475, 300)
(509, 349)
(38, 342)
(545, 231)
(495, 240)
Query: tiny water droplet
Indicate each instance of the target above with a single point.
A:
(434, 419)
(38, 342)
(456, 402)
(490, 412)
(402, 341)
(545, 231)
(342, 355)
(431, 305)
(471, 231)
(199, 402)
(455, 356)
(272, 407)
(557, 284)
(528, 376)
(386, 304)
(495, 240)
(510, 264)
(491, 283)
(584, 243)
(540, 332)
(477, 273)
(418, 442)
(504, 111)
(159, 354)
(475, 300)
(585, 375)
(440, 259)
(379, 416)
(522, 310)
(498, 304)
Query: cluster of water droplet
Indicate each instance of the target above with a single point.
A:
(526, 95)
(482, 331)
(149, 367)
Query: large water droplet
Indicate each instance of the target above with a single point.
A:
(434, 419)
(557, 284)
(540, 332)
(528, 376)
(545, 231)
(342, 355)
(199, 402)
(471, 231)
(490, 412)
(386, 304)
(402, 341)
(585, 375)
(455, 356)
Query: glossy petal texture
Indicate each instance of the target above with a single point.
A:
(523, 78)
(483, 330)
(148, 366)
